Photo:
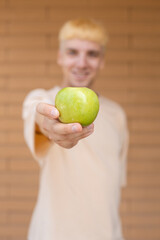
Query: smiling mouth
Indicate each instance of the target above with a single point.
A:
(80, 75)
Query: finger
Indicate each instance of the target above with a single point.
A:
(86, 131)
(47, 110)
(89, 127)
(63, 129)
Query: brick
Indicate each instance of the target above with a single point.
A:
(143, 111)
(148, 233)
(23, 165)
(12, 97)
(22, 69)
(3, 164)
(11, 137)
(148, 139)
(140, 207)
(14, 231)
(3, 218)
(2, 3)
(3, 56)
(9, 124)
(144, 180)
(22, 14)
(133, 56)
(22, 193)
(144, 166)
(2, 83)
(12, 205)
(33, 55)
(143, 153)
(25, 3)
(30, 83)
(19, 218)
(145, 70)
(129, 83)
(11, 110)
(14, 151)
(133, 28)
(141, 194)
(47, 3)
(22, 42)
(3, 28)
(142, 220)
(125, 3)
(145, 15)
(117, 42)
(14, 179)
(32, 28)
(143, 42)
(124, 97)
(145, 125)
(72, 3)
(109, 14)
(3, 192)
(16, 238)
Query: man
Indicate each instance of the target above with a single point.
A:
(82, 168)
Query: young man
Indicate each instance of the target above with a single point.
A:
(82, 168)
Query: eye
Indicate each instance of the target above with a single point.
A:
(93, 54)
(71, 52)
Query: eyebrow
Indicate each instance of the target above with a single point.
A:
(89, 50)
(71, 48)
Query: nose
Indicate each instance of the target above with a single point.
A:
(82, 61)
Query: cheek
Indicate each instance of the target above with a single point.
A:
(95, 65)
(68, 62)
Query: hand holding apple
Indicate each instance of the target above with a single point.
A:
(65, 135)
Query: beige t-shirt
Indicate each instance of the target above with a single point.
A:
(79, 191)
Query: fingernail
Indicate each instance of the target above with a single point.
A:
(74, 128)
(54, 112)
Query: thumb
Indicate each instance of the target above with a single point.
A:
(47, 110)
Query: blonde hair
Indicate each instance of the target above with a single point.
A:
(85, 29)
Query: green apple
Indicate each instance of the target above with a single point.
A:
(77, 104)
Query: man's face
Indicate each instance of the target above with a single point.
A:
(80, 61)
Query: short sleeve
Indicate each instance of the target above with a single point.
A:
(28, 115)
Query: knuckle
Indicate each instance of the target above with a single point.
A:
(66, 129)
(40, 107)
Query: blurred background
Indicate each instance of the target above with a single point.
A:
(28, 50)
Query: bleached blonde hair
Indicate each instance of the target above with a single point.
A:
(85, 29)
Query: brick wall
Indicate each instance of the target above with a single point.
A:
(28, 48)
